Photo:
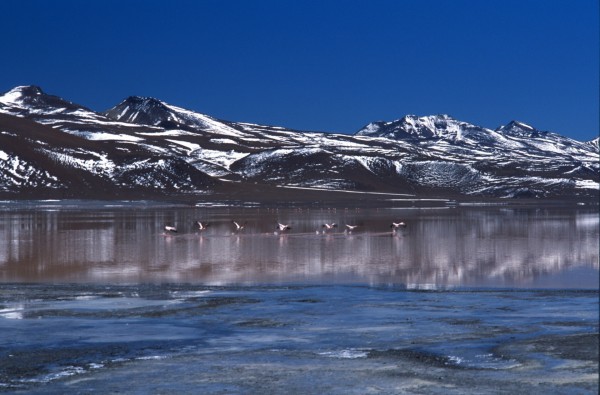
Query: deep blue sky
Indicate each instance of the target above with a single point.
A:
(317, 64)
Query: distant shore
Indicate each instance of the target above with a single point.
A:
(291, 196)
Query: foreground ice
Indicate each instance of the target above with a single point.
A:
(295, 339)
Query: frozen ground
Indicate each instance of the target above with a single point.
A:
(295, 339)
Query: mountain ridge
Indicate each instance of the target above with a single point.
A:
(145, 146)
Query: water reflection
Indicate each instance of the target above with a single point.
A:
(452, 247)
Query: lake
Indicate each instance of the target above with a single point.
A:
(439, 248)
(97, 295)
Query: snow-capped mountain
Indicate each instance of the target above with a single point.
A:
(146, 147)
(412, 127)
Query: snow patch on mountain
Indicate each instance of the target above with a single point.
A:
(216, 163)
(150, 111)
(441, 174)
(96, 163)
(16, 172)
(191, 147)
(170, 133)
(378, 165)
(594, 144)
(224, 141)
(112, 137)
(17, 95)
(412, 127)
(587, 184)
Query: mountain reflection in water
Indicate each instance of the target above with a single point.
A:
(473, 247)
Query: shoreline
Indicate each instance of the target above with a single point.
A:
(374, 202)
(233, 193)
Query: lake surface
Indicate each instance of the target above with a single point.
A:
(97, 297)
(439, 248)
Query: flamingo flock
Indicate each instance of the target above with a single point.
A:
(284, 228)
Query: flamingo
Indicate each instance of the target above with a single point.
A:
(239, 227)
(202, 225)
(283, 227)
(327, 227)
(396, 225)
(350, 228)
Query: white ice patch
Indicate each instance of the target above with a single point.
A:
(345, 354)
(152, 357)
(66, 372)
(189, 294)
(13, 313)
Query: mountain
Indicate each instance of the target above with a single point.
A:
(144, 147)
(541, 162)
(412, 127)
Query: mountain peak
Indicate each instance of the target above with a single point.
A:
(594, 143)
(411, 127)
(150, 111)
(19, 93)
(27, 98)
(30, 90)
(519, 129)
(436, 117)
(142, 101)
(139, 109)
(521, 125)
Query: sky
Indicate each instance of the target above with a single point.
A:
(320, 65)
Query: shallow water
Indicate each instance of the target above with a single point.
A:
(478, 300)
(439, 248)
